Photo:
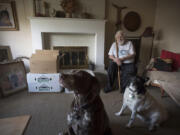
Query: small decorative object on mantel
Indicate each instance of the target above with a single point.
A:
(86, 15)
(91, 66)
(38, 7)
(60, 14)
(132, 21)
(68, 6)
(41, 8)
(148, 32)
(8, 16)
(57, 13)
(46, 9)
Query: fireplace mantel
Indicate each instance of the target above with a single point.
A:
(40, 25)
(71, 19)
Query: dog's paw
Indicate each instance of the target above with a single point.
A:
(87, 116)
(157, 125)
(61, 133)
(151, 128)
(129, 125)
(118, 114)
(69, 118)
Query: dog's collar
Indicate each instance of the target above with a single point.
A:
(132, 93)
(131, 90)
(86, 105)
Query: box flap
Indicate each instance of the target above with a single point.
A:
(48, 52)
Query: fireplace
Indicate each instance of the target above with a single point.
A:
(72, 57)
(63, 28)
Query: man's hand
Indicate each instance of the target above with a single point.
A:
(118, 61)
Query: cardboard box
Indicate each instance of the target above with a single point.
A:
(43, 82)
(45, 61)
(47, 52)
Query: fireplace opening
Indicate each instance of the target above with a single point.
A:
(72, 57)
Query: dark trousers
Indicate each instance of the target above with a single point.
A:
(127, 70)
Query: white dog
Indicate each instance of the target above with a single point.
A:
(142, 104)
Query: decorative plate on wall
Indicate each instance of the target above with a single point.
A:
(132, 21)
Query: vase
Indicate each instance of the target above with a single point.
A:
(68, 15)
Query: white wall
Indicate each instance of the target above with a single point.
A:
(167, 26)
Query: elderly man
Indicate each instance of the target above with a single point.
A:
(123, 60)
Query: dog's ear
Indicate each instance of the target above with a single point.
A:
(141, 85)
(131, 78)
(141, 89)
(146, 79)
(82, 74)
(143, 79)
(73, 71)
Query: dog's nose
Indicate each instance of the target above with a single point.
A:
(62, 76)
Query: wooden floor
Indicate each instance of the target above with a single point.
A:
(14, 125)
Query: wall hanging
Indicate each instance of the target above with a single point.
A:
(132, 21)
(8, 16)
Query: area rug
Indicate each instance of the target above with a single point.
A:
(14, 125)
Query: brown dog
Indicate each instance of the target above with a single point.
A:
(87, 116)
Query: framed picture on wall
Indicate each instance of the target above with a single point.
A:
(41, 8)
(12, 77)
(5, 54)
(8, 16)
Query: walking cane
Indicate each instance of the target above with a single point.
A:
(118, 67)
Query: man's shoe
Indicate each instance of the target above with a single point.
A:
(121, 92)
(107, 90)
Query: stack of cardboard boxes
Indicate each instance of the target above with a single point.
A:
(44, 71)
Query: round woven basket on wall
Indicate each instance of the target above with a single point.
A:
(132, 21)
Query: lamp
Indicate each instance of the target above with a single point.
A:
(148, 32)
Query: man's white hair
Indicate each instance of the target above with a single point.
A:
(119, 32)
